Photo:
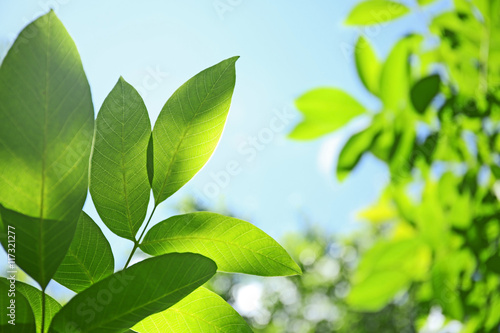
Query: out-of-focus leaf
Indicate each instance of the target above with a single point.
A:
(119, 182)
(123, 299)
(40, 245)
(386, 269)
(424, 91)
(425, 2)
(368, 65)
(353, 150)
(325, 110)
(23, 320)
(235, 245)
(375, 12)
(89, 258)
(46, 131)
(202, 310)
(395, 75)
(34, 298)
(189, 127)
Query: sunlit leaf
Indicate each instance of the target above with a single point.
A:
(123, 299)
(395, 75)
(89, 258)
(18, 313)
(368, 65)
(325, 110)
(34, 298)
(425, 2)
(353, 150)
(235, 245)
(40, 245)
(119, 182)
(189, 127)
(424, 91)
(202, 310)
(46, 130)
(375, 12)
(386, 269)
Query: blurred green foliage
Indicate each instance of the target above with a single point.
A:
(438, 132)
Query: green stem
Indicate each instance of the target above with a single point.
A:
(137, 242)
(43, 311)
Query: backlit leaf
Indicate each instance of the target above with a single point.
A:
(189, 127)
(235, 245)
(375, 12)
(119, 182)
(368, 65)
(46, 130)
(123, 299)
(19, 312)
(325, 110)
(40, 244)
(89, 258)
(34, 298)
(202, 309)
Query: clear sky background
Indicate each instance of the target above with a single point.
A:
(286, 49)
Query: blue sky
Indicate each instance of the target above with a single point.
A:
(286, 49)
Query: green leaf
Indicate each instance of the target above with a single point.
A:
(40, 244)
(368, 65)
(353, 150)
(119, 182)
(22, 315)
(123, 299)
(395, 75)
(424, 91)
(235, 245)
(386, 269)
(202, 310)
(150, 162)
(34, 298)
(46, 124)
(325, 110)
(425, 2)
(89, 258)
(189, 127)
(46, 131)
(375, 12)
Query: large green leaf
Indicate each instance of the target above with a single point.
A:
(123, 299)
(34, 298)
(202, 310)
(424, 91)
(235, 245)
(368, 65)
(119, 182)
(19, 313)
(89, 258)
(189, 127)
(325, 110)
(40, 244)
(46, 130)
(375, 12)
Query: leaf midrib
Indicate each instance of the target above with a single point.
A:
(44, 152)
